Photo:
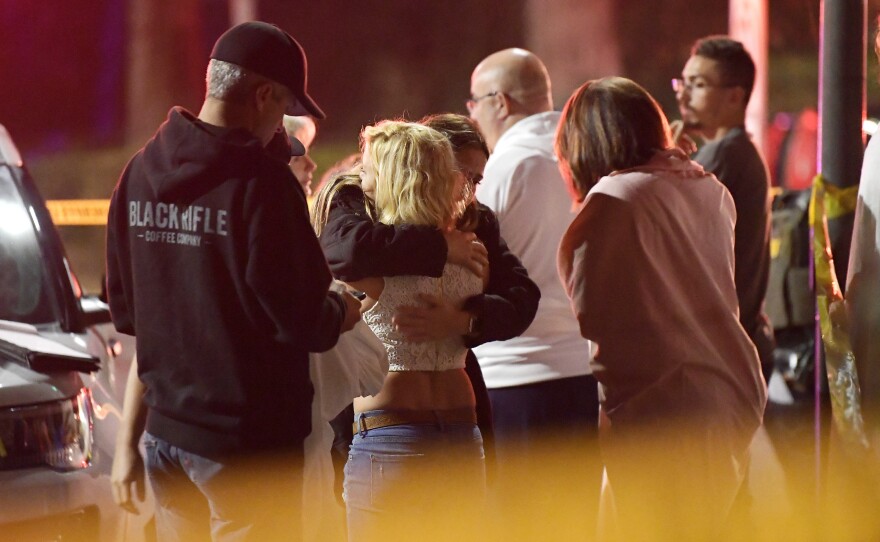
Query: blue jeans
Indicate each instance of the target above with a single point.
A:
(398, 479)
(237, 499)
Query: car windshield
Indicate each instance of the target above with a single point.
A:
(23, 284)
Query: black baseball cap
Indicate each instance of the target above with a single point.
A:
(265, 49)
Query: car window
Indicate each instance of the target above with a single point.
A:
(23, 282)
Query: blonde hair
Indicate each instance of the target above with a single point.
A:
(415, 174)
(324, 199)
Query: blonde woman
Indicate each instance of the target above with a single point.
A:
(418, 437)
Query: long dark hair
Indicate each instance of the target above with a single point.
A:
(463, 134)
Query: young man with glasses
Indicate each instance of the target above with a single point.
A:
(713, 93)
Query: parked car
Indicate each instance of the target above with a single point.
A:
(63, 369)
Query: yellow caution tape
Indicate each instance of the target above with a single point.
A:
(79, 212)
(826, 280)
(839, 201)
(840, 368)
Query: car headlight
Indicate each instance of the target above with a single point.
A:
(57, 434)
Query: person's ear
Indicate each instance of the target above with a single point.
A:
(737, 96)
(504, 105)
(263, 94)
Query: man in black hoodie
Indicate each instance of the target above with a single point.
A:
(213, 265)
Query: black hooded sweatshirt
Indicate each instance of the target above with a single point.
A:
(213, 265)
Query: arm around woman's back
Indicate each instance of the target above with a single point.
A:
(510, 302)
(356, 247)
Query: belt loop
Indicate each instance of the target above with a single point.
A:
(361, 424)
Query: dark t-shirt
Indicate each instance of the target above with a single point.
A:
(736, 162)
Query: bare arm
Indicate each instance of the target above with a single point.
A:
(128, 466)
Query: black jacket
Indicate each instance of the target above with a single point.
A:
(213, 265)
(356, 248)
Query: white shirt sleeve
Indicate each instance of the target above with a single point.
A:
(495, 190)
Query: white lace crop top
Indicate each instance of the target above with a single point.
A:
(455, 285)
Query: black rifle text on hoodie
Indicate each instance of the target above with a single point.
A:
(212, 264)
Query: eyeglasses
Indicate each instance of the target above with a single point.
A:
(472, 102)
(679, 85)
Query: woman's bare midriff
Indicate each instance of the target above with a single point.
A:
(421, 390)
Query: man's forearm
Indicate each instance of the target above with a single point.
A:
(134, 410)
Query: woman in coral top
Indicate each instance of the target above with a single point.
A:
(648, 265)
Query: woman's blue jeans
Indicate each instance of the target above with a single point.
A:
(403, 479)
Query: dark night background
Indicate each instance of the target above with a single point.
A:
(83, 84)
(66, 77)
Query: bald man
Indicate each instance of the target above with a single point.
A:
(539, 383)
